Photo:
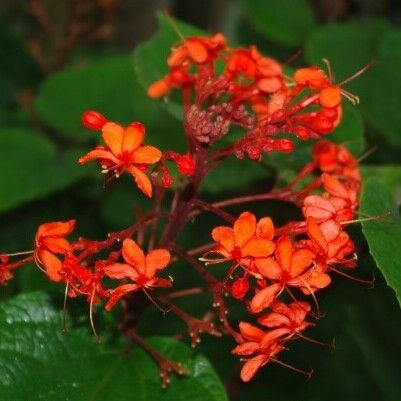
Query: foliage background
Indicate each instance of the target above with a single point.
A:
(48, 77)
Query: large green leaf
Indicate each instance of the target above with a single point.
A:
(389, 175)
(32, 168)
(39, 361)
(150, 58)
(286, 21)
(109, 86)
(383, 235)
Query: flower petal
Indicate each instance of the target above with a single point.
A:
(156, 260)
(251, 332)
(334, 187)
(142, 180)
(133, 255)
(251, 366)
(224, 236)
(258, 248)
(272, 336)
(113, 135)
(264, 298)
(197, 51)
(315, 234)
(265, 228)
(247, 348)
(269, 268)
(98, 154)
(120, 271)
(284, 252)
(146, 155)
(244, 228)
(316, 281)
(319, 208)
(301, 260)
(118, 293)
(55, 229)
(330, 230)
(56, 245)
(274, 319)
(133, 137)
(51, 263)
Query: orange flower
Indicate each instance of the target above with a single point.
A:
(330, 243)
(290, 317)
(197, 50)
(49, 240)
(244, 242)
(138, 268)
(124, 152)
(311, 77)
(262, 345)
(288, 267)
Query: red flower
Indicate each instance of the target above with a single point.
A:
(140, 269)
(244, 242)
(49, 241)
(197, 50)
(261, 346)
(290, 317)
(124, 152)
(330, 243)
(288, 267)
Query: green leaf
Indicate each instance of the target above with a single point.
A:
(38, 361)
(286, 21)
(108, 86)
(383, 235)
(390, 175)
(233, 173)
(35, 169)
(150, 58)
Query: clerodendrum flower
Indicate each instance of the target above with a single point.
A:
(247, 240)
(123, 151)
(49, 241)
(140, 269)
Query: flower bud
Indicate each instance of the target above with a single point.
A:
(93, 120)
(240, 288)
(186, 165)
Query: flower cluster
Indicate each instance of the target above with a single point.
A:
(307, 104)
(273, 271)
(297, 257)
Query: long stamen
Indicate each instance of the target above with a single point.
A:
(357, 74)
(331, 345)
(18, 253)
(308, 374)
(329, 70)
(65, 307)
(155, 303)
(312, 294)
(379, 216)
(91, 314)
(367, 153)
(359, 280)
(39, 263)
